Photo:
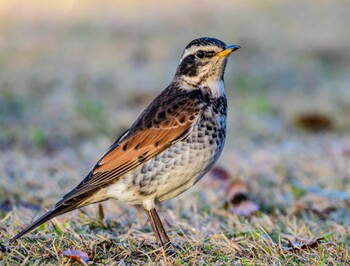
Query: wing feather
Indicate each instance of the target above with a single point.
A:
(137, 147)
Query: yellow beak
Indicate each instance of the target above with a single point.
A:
(228, 50)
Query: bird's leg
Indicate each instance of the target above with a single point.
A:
(159, 224)
(154, 226)
(165, 238)
(161, 235)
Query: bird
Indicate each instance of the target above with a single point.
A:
(173, 143)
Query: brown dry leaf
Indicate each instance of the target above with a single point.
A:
(237, 199)
(76, 255)
(245, 208)
(306, 245)
(316, 203)
(218, 177)
(237, 191)
(314, 121)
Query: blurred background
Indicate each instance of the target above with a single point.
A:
(75, 74)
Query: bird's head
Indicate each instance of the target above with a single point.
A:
(204, 60)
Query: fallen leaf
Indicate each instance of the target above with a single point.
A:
(314, 121)
(218, 177)
(245, 208)
(237, 198)
(318, 204)
(76, 255)
(294, 246)
(237, 191)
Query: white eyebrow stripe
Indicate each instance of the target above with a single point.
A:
(193, 49)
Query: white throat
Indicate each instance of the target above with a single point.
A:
(217, 87)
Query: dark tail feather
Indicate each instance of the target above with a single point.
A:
(46, 217)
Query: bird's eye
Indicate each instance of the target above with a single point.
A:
(200, 54)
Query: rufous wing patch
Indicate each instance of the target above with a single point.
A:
(150, 141)
(138, 147)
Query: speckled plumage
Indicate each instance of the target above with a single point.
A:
(174, 142)
(180, 166)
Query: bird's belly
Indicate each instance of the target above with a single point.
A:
(176, 169)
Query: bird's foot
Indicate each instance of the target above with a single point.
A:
(171, 249)
(4, 249)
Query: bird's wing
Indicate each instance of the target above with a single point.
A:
(161, 125)
(166, 121)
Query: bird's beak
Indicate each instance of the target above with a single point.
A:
(228, 49)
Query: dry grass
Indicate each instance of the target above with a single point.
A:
(74, 75)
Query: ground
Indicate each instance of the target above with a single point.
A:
(74, 75)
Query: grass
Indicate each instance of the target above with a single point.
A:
(210, 237)
(75, 75)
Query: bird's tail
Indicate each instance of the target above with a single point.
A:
(57, 210)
